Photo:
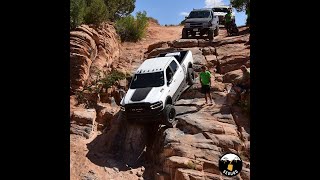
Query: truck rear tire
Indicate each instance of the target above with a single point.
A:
(216, 31)
(190, 76)
(210, 34)
(184, 34)
(169, 116)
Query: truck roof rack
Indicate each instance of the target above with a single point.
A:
(203, 9)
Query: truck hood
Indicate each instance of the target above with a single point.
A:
(197, 20)
(141, 95)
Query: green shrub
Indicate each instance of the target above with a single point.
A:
(103, 80)
(191, 165)
(132, 29)
(110, 79)
(77, 12)
(96, 12)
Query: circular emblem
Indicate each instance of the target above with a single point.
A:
(230, 164)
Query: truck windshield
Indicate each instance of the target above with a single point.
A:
(155, 79)
(199, 14)
(220, 10)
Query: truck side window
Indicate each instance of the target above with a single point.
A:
(174, 66)
(169, 75)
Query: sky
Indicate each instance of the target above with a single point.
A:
(174, 11)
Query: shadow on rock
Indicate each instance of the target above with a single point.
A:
(125, 146)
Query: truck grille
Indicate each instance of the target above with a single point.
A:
(138, 108)
(195, 25)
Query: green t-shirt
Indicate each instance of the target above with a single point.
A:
(205, 77)
(228, 17)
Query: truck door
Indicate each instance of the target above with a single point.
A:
(177, 79)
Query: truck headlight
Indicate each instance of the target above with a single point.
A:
(156, 105)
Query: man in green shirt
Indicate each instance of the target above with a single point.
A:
(228, 19)
(205, 80)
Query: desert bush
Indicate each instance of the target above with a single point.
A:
(132, 29)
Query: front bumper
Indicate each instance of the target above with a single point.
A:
(142, 112)
(198, 29)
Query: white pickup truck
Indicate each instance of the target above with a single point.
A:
(221, 12)
(156, 86)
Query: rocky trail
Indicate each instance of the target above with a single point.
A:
(104, 146)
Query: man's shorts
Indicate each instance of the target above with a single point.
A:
(205, 89)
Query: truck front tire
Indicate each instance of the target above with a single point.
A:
(210, 34)
(169, 115)
(184, 34)
(216, 31)
(190, 77)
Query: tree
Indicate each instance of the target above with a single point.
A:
(242, 5)
(77, 12)
(119, 8)
(96, 12)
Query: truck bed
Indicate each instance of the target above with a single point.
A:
(179, 55)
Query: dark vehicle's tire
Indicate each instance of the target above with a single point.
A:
(169, 113)
(216, 31)
(184, 34)
(236, 31)
(210, 34)
(190, 76)
(193, 35)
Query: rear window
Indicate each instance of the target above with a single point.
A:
(199, 14)
(220, 10)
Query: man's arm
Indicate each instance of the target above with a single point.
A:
(209, 74)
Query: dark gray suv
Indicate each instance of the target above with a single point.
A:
(201, 22)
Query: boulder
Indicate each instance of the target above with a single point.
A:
(84, 131)
(155, 52)
(234, 40)
(209, 51)
(199, 122)
(185, 43)
(161, 44)
(199, 59)
(212, 59)
(227, 67)
(84, 116)
(205, 43)
(105, 113)
(218, 86)
(230, 76)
